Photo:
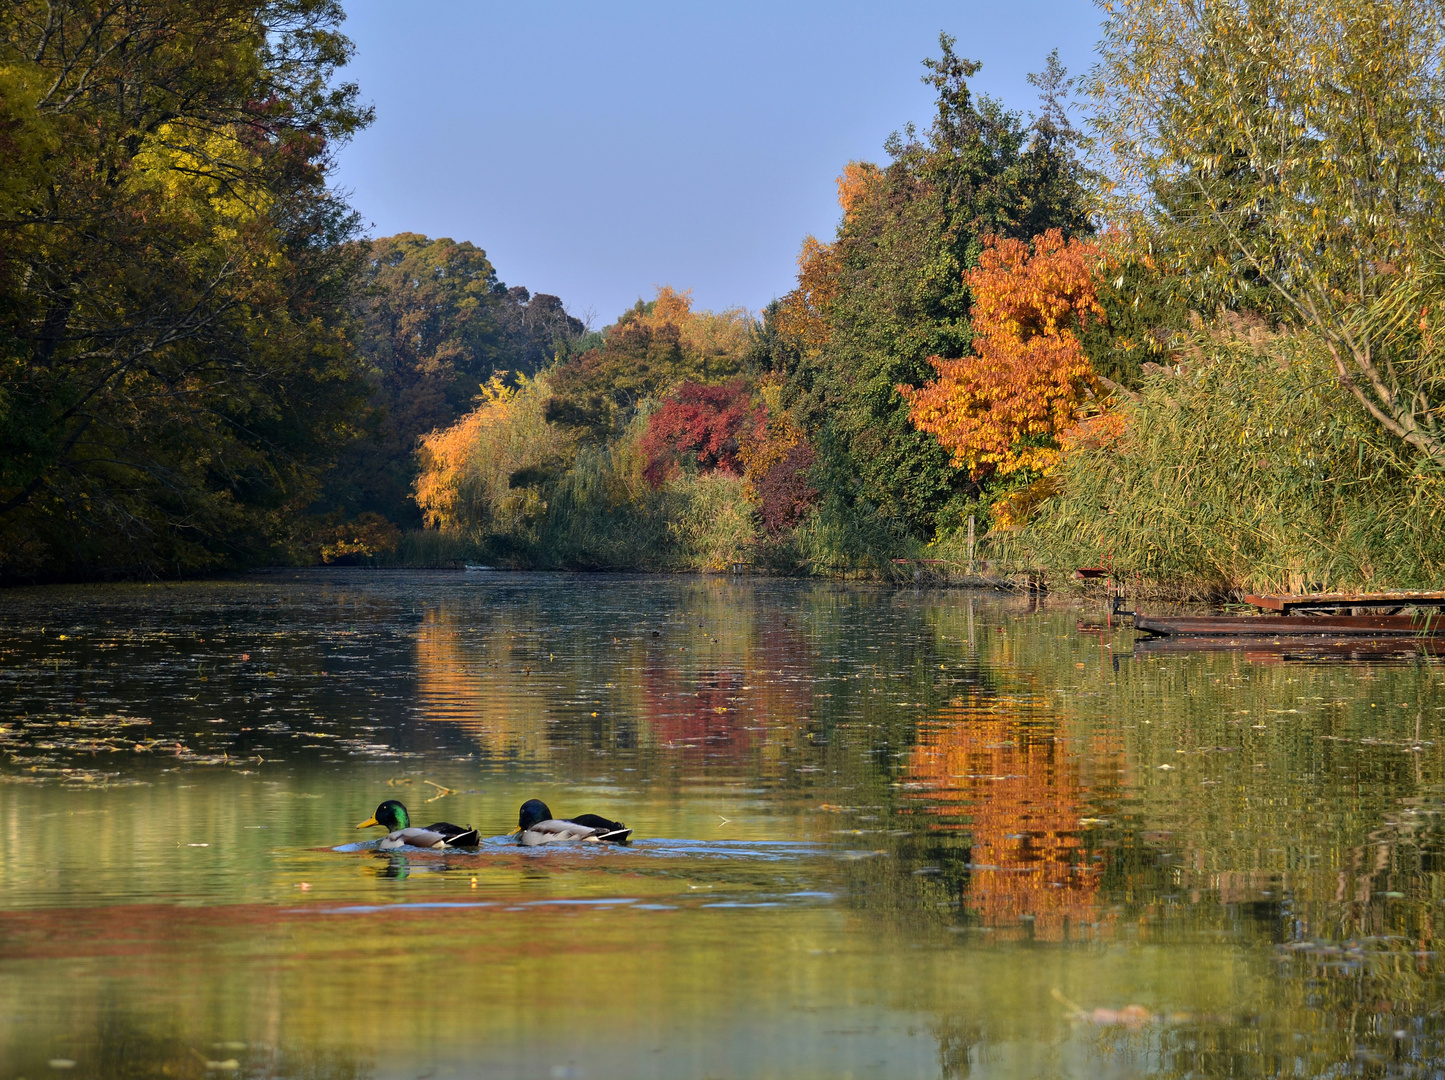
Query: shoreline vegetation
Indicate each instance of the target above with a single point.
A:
(1190, 340)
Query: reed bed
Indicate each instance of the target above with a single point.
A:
(1247, 467)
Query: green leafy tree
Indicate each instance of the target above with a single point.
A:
(434, 323)
(1296, 151)
(174, 278)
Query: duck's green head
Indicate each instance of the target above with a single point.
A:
(390, 815)
(533, 811)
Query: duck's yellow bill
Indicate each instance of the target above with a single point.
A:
(368, 822)
(515, 831)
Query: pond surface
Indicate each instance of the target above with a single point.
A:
(878, 833)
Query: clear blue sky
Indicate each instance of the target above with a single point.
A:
(596, 150)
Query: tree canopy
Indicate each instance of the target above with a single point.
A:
(1290, 156)
(433, 323)
(652, 348)
(1004, 408)
(174, 279)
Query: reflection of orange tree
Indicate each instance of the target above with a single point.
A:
(1000, 771)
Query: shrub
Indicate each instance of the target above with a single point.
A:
(778, 463)
(710, 522)
(701, 425)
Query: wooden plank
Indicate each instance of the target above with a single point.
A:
(1286, 602)
(1293, 625)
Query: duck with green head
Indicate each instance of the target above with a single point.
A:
(392, 816)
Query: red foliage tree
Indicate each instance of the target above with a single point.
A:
(702, 422)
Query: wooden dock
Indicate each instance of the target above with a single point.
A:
(1386, 603)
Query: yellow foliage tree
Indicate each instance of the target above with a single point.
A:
(482, 474)
(709, 336)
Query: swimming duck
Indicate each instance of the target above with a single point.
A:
(536, 825)
(392, 816)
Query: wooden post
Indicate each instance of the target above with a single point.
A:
(970, 543)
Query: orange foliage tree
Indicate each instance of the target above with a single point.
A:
(803, 313)
(1004, 408)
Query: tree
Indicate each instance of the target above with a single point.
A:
(434, 323)
(778, 463)
(1297, 148)
(1004, 408)
(699, 424)
(477, 476)
(652, 348)
(174, 276)
(889, 292)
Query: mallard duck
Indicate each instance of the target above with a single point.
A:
(536, 825)
(392, 816)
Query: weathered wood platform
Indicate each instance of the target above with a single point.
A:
(1296, 626)
(1286, 603)
(1295, 648)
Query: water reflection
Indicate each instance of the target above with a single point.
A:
(998, 770)
(918, 833)
(468, 678)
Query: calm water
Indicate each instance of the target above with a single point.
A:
(878, 833)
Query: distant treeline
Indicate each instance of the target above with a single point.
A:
(1193, 343)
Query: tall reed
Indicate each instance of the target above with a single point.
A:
(1247, 467)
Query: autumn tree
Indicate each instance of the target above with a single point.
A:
(174, 277)
(652, 348)
(699, 425)
(778, 460)
(1002, 409)
(434, 323)
(888, 291)
(476, 475)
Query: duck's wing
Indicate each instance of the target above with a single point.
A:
(596, 821)
(611, 831)
(555, 832)
(456, 835)
(418, 838)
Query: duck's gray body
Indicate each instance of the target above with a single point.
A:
(427, 838)
(537, 826)
(554, 831)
